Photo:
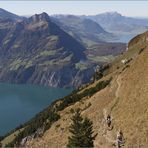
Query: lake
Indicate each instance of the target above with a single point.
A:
(19, 103)
(124, 38)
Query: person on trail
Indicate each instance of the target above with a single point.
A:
(119, 138)
(108, 120)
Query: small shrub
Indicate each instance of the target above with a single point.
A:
(57, 126)
(141, 50)
(87, 106)
(125, 67)
(71, 110)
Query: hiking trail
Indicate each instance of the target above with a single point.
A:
(109, 135)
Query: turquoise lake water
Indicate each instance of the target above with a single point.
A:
(19, 103)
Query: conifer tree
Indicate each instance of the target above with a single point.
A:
(87, 129)
(81, 132)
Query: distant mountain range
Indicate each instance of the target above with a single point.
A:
(118, 24)
(84, 30)
(58, 51)
(110, 26)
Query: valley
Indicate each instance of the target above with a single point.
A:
(52, 65)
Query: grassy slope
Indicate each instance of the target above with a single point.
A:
(125, 99)
(10, 137)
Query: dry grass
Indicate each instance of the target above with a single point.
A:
(10, 137)
(126, 98)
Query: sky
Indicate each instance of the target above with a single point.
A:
(127, 8)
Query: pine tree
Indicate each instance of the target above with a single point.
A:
(87, 133)
(75, 129)
(81, 130)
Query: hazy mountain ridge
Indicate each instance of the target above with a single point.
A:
(84, 30)
(115, 22)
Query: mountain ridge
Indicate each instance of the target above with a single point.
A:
(4, 14)
(30, 43)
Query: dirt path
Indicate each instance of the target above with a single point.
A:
(109, 135)
(118, 88)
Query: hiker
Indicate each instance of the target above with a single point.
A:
(119, 139)
(108, 120)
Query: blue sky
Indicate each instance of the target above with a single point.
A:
(128, 8)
